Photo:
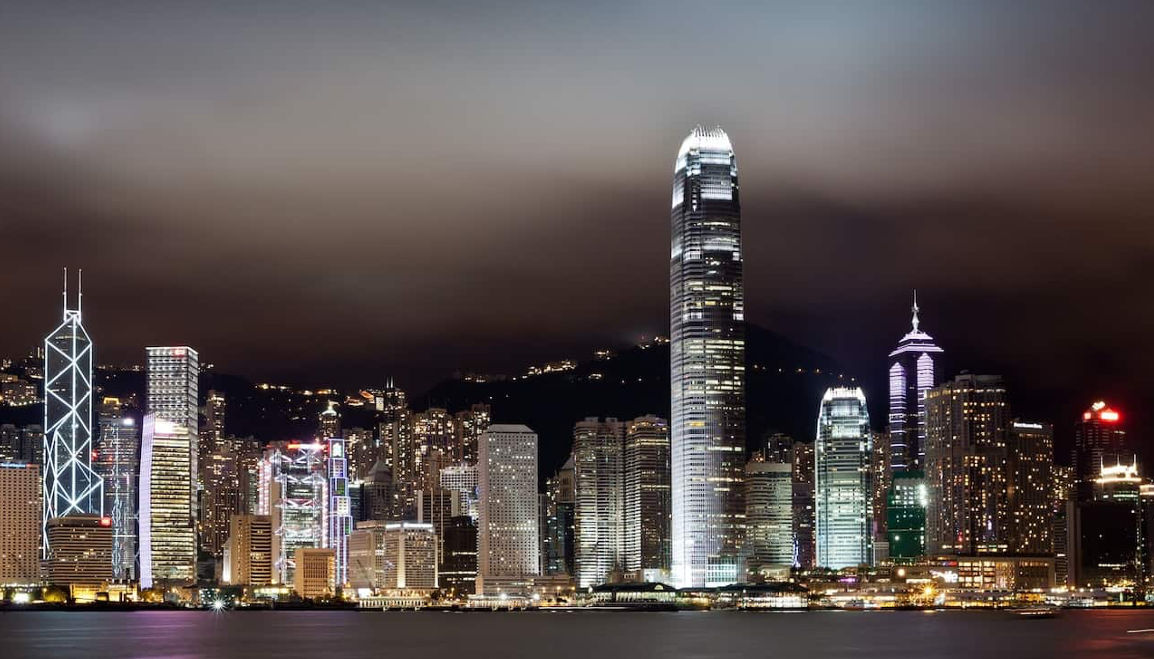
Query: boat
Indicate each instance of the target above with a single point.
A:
(1035, 612)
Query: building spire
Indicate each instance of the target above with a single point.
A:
(65, 292)
(915, 308)
(79, 288)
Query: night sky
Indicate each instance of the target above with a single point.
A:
(339, 192)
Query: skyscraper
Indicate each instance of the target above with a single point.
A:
(248, 551)
(842, 480)
(1099, 441)
(906, 516)
(707, 361)
(769, 517)
(20, 521)
(167, 519)
(1030, 488)
(598, 477)
(338, 513)
(172, 385)
(118, 463)
(560, 494)
(912, 373)
(71, 487)
(508, 542)
(297, 504)
(966, 466)
(647, 546)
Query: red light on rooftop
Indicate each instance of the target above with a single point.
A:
(106, 521)
(1087, 416)
(1109, 415)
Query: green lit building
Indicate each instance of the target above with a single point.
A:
(906, 516)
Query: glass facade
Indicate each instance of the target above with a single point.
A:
(70, 485)
(842, 479)
(167, 526)
(911, 374)
(906, 516)
(707, 362)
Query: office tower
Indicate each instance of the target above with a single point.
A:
(338, 513)
(966, 466)
(329, 423)
(881, 479)
(599, 483)
(1099, 440)
(911, 374)
(214, 409)
(1064, 516)
(842, 480)
(248, 551)
(22, 502)
(1111, 530)
(172, 385)
(461, 482)
(379, 495)
(906, 516)
(226, 476)
(71, 487)
(314, 573)
(362, 450)
(707, 362)
(403, 459)
(769, 518)
(81, 550)
(393, 555)
(22, 443)
(167, 520)
(458, 569)
(118, 464)
(469, 425)
(804, 506)
(560, 532)
(648, 507)
(508, 546)
(1030, 482)
(296, 503)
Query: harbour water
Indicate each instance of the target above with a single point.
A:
(573, 635)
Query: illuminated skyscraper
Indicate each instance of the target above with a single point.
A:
(338, 512)
(297, 504)
(118, 463)
(967, 423)
(173, 374)
(560, 494)
(647, 546)
(1099, 441)
(1031, 488)
(906, 516)
(707, 362)
(167, 518)
(768, 517)
(842, 479)
(71, 487)
(20, 521)
(598, 484)
(508, 536)
(912, 373)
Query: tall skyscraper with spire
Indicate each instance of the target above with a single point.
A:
(71, 487)
(707, 362)
(912, 373)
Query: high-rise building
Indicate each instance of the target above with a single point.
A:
(1030, 493)
(1100, 440)
(172, 383)
(508, 546)
(118, 464)
(648, 507)
(912, 374)
(248, 551)
(461, 481)
(707, 362)
(906, 516)
(22, 443)
(167, 520)
(769, 518)
(297, 504)
(469, 425)
(20, 519)
(378, 495)
(81, 550)
(338, 511)
(804, 503)
(842, 480)
(1111, 530)
(458, 569)
(223, 474)
(598, 476)
(214, 409)
(71, 487)
(966, 466)
(393, 555)
(560, 532)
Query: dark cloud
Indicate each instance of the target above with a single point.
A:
(338, 194)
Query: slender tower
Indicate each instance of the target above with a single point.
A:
(71, 487)
(707, 362)
(912, 374)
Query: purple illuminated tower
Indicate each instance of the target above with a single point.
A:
(912, 373)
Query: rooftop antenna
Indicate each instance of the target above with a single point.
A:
(916, 321)
(79, 288)
(65, 292)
